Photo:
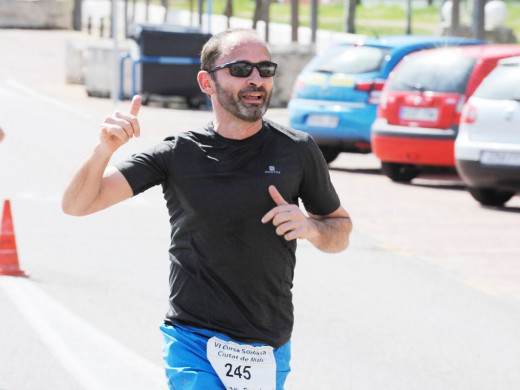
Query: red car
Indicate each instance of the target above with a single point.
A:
(419, 112)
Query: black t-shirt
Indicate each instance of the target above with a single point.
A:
(230, 272)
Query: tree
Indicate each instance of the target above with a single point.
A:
(314, 20)
(350, 16)
(76, 20)
(257, 14)
(478, 19)
(262, 13)
(408, 17)
(294, 21)
(228, 11)
(455, 17)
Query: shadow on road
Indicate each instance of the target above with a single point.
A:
(438, 184)
(505, 209)
(366, 171)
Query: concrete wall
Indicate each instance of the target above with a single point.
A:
(40, 14)
(291, 59)
(91, 62)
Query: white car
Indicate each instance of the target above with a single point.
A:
(487, 148)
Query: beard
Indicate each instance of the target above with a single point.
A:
(245, 111)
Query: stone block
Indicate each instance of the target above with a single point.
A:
(291, 59)
(99, 69)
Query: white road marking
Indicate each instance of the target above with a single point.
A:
(96, 361)
(57, 103)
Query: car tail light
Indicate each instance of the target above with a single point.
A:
(373, 87)
(382, 106)
(469, 114)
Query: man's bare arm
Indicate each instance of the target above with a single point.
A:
(95, 186)
(332, 232)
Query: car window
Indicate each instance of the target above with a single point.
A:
(441, 72)
(349, 59)
(501, 84)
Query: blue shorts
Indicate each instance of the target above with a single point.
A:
(187, 365)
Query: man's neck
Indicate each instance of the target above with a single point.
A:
(236, 129)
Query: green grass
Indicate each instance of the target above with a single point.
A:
(513, 19)
(375, 20)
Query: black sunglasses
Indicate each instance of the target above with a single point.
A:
(244, 68)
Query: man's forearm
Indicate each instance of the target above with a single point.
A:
(331, 234)
(84, 188)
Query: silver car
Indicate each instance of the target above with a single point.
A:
(487, 148)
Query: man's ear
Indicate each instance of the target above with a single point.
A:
(205, 82)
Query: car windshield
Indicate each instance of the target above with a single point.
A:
(442, 72)
(350, 60)
(502, 84)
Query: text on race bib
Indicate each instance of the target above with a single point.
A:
(242, 366)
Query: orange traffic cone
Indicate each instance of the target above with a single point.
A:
(8, 254)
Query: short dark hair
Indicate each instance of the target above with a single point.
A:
(211, 50)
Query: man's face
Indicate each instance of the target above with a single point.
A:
(246, 98)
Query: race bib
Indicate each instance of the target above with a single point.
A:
(242, 367)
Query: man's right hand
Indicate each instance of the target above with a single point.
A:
(120, 127)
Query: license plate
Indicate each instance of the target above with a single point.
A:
(511, 159)
(318, 120)
(419, 114)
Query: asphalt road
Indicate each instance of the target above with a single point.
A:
(426, 297)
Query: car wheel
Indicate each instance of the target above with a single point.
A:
(329, 154)
(401, 173)
(490, 196)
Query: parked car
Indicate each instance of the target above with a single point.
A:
(419, 113)
(336, 95)
(487, 148)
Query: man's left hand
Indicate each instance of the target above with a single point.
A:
(289, 219)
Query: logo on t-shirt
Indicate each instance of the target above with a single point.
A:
(272, 169)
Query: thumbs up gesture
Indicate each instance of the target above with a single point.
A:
(289, 220)
(120, 127)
